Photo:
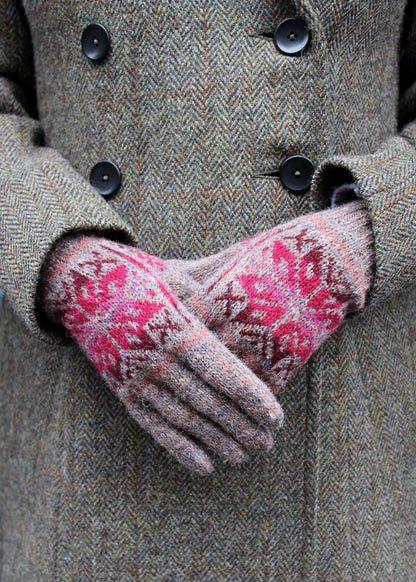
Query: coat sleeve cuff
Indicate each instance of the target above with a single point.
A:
(386, 180)
(43, 198)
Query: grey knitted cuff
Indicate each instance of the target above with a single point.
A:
(344, 193)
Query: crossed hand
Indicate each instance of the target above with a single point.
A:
(197, 350)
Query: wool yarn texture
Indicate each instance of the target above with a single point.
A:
(175, 377)
(273, 299)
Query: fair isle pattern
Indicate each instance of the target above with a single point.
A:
(287, 289)
(113, 301)
(193, 103)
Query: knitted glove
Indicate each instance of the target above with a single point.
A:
(273, 299)
(172, 374)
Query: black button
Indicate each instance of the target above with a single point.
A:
(95, 41)
(105, 177)
(291, 36)
(296, 173)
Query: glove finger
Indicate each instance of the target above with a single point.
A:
(214, 405)
(204, 353)
(190, 388)
(272, 364)
(183, 449)
(184, 417)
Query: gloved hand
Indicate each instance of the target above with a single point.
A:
(275, 298)
(173, 375)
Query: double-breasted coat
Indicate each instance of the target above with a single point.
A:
(195, 106)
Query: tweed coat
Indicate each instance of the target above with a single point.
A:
(197, 108)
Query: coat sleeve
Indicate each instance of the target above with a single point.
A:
(42, 196)
(386, 180)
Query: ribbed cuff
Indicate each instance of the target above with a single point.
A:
(347, 229)
(61, 257)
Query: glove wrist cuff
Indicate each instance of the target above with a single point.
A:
(347, 234)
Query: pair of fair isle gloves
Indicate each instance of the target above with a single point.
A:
(198, 350)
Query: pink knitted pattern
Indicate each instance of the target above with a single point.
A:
(169, 370)
(131, 323)
(287, 289)
(270, 300)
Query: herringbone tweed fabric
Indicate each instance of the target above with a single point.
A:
(196, 106)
